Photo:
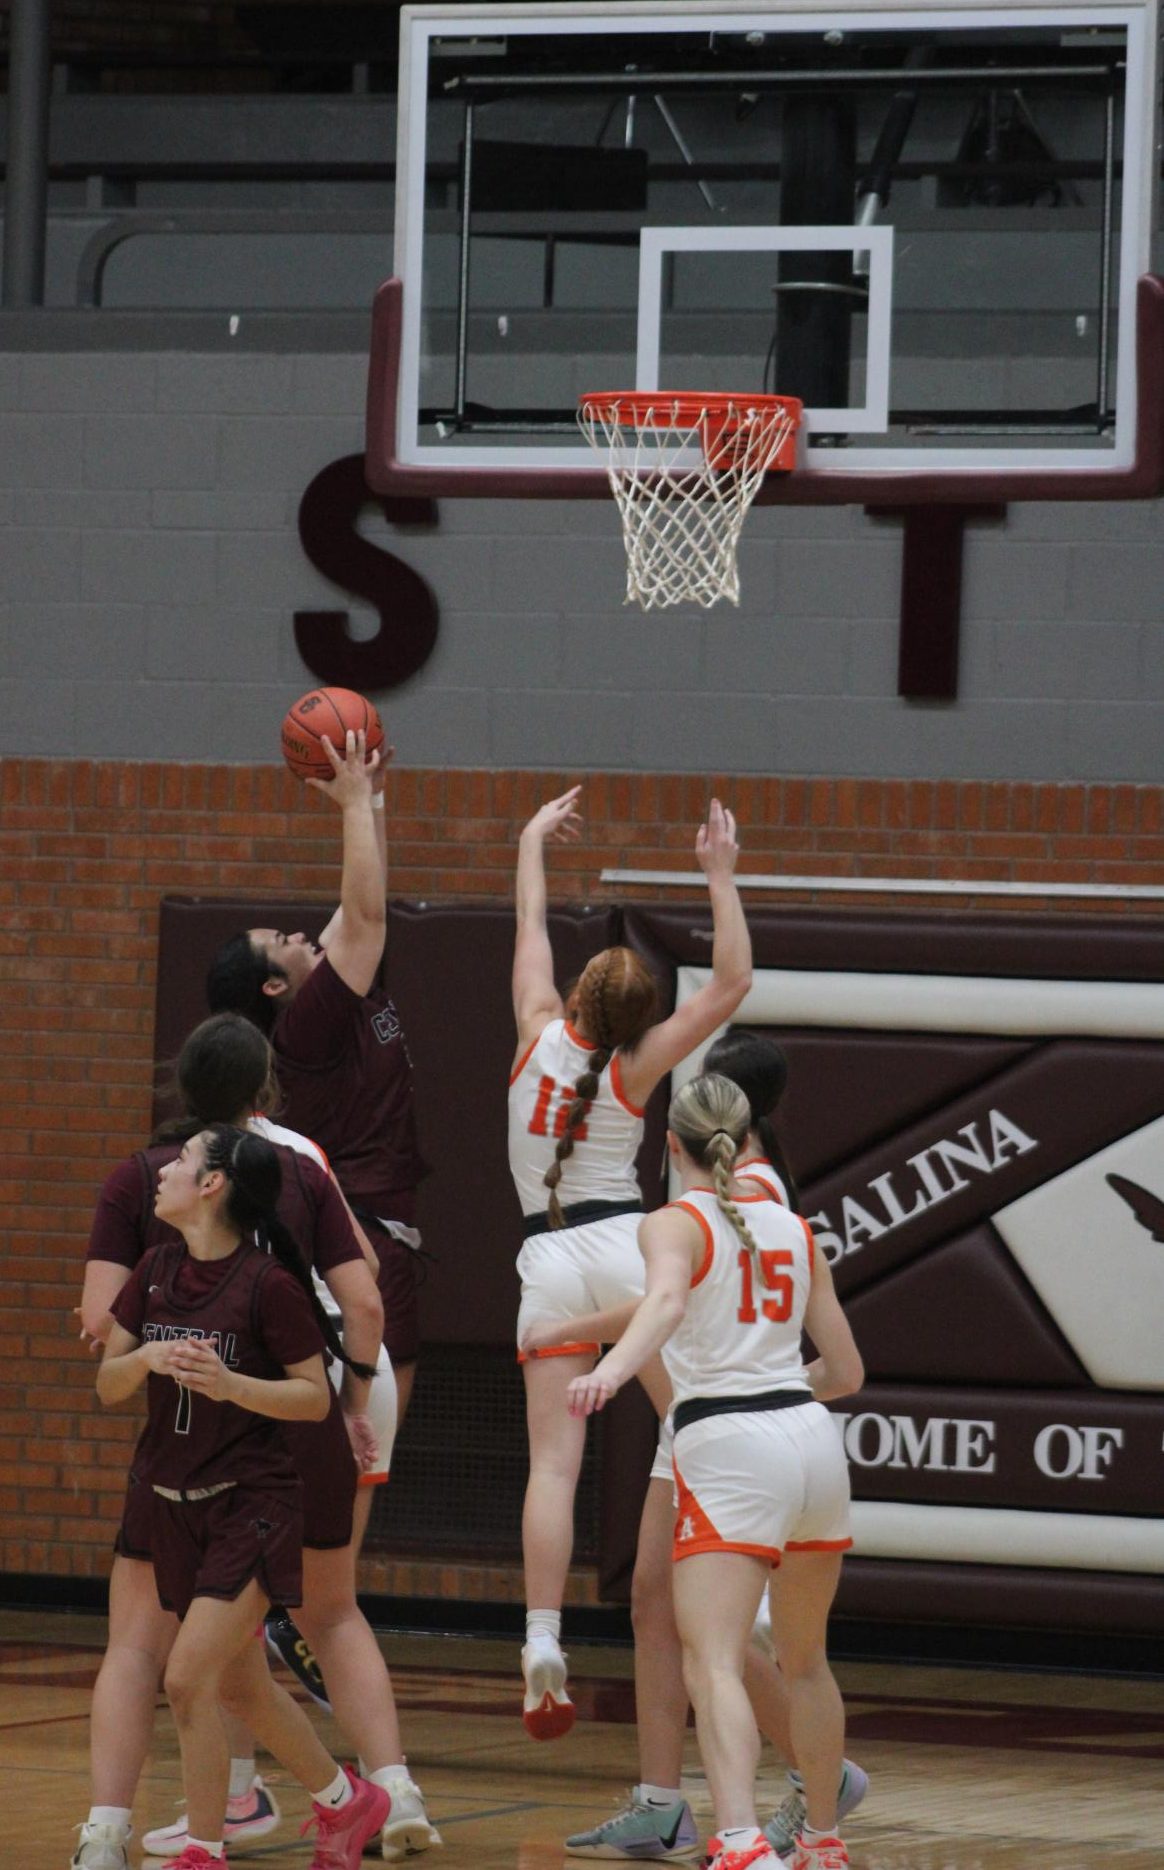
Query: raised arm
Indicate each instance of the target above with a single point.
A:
(671, 1245)
(838, 1370)
(536, 1000)
(354, 938)
(731, 966)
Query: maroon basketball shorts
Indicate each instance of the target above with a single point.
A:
(326, 1465)
(399, 1276)
(213, 1548)
(133, 1534)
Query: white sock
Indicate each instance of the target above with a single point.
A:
(809, 1836)
(212, 1850)
(739, 1837)
(540, 1624)
(389, 1776)
(109, 1815)
(657, 1795)
(336, 1794)
(242, 1778)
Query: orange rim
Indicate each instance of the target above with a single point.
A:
(666, 409)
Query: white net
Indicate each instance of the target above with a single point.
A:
(684, 474)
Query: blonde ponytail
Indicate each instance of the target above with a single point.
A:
(711, 1117)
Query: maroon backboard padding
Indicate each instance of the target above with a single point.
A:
(806, 487)
(903, 1075)
(999, 1597)
(902, 941)
(962, 1314)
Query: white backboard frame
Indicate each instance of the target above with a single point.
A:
(1139, 154)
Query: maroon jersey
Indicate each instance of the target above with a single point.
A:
(346, 1077)
(259, 1318)
(309, 1206)
(125, 1227)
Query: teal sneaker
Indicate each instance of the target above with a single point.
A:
(784, 1827)
(641, 1830)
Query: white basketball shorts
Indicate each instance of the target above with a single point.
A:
(591, 1268)
(762, 1482)
(381, 1413)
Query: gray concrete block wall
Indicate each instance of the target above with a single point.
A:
(150, 565)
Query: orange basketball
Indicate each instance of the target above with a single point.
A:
(330, 711)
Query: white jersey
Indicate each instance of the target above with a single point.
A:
(759, 1169)
(601, 1166)
(741, 1331)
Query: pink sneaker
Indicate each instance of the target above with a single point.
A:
(826, 1854)
(192, 1858)
(341, 1835)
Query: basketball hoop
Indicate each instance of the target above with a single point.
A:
(684, 468)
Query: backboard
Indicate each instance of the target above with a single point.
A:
(930, 222)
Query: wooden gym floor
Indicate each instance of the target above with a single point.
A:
(970, 1769)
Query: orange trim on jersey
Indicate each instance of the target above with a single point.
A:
(773, 1194)
(811, 1243)
(372, 1480)
(616, 1087)
(818, 1545)
(708, 1242)
(523, 1061)
(559, 1350)
(575, 1036)
(702, 1188)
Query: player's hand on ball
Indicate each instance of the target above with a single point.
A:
(715, 842)
(354, 771)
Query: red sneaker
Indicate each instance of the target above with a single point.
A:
(825, 1854)
(341, 1835)
(757, 1856)
(192, 1858)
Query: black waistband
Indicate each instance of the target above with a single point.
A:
(696, 1407)
(576, 1214)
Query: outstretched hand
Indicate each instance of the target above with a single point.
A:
(355, 771)
(715, 842)
(558, 820)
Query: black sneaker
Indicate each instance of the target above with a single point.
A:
(285, 1642)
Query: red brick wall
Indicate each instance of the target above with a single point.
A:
(86, 852)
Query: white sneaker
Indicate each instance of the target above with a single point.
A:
(102, 1847)
(407, 1829)
(254, 1815)
(548, 1711)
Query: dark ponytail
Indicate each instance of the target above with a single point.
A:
(254, 1182)
(760, 1069)
(225, 1067)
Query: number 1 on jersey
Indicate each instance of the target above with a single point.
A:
(778, 1308)
(539, 1123)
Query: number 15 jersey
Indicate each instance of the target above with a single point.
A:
(740, 1334)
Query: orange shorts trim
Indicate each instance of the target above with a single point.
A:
(372, 1480)
(818, 1545)
(695, 1548)
(560, 1350)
